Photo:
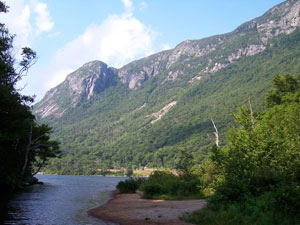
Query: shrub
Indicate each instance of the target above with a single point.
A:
(287, 199)
(182, 187)
(165, 185)
(152, 190)
(128, 186)
(277, 207)
(158, 177)
(140, 181)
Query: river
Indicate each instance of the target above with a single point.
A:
(61, 200)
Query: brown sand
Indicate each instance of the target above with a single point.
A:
(130, 209)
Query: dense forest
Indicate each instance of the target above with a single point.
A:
(25, 145)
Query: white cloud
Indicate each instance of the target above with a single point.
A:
(43, 19)
(18, 20)
(165, 47)
(118, 40)
(128, 5)
(58, 77)
(54, 35)
(142, 5)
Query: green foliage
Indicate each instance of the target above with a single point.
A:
(165, 185)
(151, 191)
(257, 158)
(129, 172)
(285, 89)
(185, 163)
(25, 145)
(42, 147)
(128, 186)
(253, 211)
(257, 170)
(209, 175)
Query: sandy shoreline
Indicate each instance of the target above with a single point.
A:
(130, 209)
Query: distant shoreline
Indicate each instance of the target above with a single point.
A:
(130, 209)
(78, 175)
(119, 173)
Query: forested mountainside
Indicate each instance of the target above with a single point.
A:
(145, 112)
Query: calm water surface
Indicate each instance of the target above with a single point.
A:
(61, 200)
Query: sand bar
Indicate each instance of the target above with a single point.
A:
(130, 209)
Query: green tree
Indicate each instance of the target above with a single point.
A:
(23, 143)
(285, 89)
(185, 163)
(129, 172)
(264, 156)
(42, 148)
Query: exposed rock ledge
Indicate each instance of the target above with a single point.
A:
(158, 115)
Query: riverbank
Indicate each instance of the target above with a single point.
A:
(130, 209)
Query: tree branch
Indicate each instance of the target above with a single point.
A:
(27, 149)
(40, 166)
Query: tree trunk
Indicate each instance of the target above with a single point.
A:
(38, 170)
(251, 114)
(27, 150)
(216, 133)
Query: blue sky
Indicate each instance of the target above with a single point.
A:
(68, 33)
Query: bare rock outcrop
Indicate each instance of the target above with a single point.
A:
(81, 85)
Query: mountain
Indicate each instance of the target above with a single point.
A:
(144, 112)
(81, 85)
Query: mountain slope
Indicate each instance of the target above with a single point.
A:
(142, 113)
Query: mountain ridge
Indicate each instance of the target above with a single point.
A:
(134, 74)
(154, 106)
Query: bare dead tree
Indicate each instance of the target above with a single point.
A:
(251, 114)
(216, 133)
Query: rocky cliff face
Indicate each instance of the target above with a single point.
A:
(206, 56)
(90, 79)
(81, 85)
(136, 73)
(281, 19)
(253, 36)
